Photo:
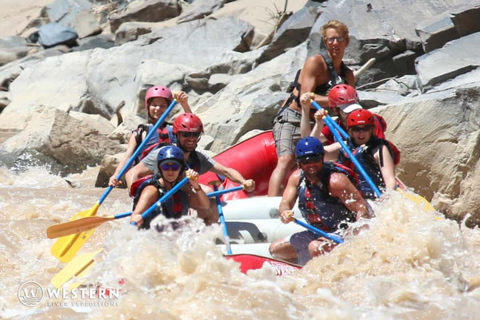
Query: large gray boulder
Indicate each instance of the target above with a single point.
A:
(455, 58)
(97, 81)
(200, 10)
(439, 136)
(65, 12)
(146, 10)
(242, 94)
(61, 142)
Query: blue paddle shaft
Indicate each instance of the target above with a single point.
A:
(331, 125)
(140, 148)
(211, 194)
(162, 199)
(123, 215)
(220, 192)
(340, 129)
(222, 221)
(318, 231)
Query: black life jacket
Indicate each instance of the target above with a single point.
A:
(173, 208)
(365, 156)
(165, 136)
(321, 89)
(318, 207)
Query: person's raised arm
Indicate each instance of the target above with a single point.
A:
(305, 102)
(182, 98)
(132, 145)
(196, 198)
(313, 68)
(234, 175)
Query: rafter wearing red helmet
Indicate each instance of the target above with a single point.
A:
(188, 129)
(377, 156)
(157, 100)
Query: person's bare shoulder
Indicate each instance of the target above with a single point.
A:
(338, 182)
(295, 176)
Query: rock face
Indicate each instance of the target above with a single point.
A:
(235, 60)
(439, 137)
(61, 142)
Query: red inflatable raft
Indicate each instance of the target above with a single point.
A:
(255, 158)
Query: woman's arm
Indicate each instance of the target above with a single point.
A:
(388, 168)
(182, 98)
(132, 145)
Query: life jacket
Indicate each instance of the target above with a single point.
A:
(321, 89)
(165, 136)
(364, 155)
(316, 204)
(173, 208)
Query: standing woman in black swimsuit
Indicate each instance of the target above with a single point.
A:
(319, 74)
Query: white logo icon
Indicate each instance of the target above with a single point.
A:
(30, 293)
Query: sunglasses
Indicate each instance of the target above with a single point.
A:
(332, 39)
(310, 159)
(361, 129)
(170, 166)
(190, 134)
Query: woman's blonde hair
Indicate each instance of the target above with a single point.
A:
(337, 25)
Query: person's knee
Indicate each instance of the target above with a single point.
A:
(317, 248)
(314, 248)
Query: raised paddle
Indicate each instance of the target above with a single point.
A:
(226, 238)
(410, 196)
(88, 223)
(336, 239)
(65, 248)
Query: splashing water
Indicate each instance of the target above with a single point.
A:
(409, 264)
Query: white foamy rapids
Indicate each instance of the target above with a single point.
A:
(33, 177)
(410, 263)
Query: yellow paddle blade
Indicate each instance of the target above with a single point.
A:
(418, 199)
(76, 226)
(65, 248)
(78, 267)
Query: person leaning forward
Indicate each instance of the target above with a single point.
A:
(319, 74)
(328, 200)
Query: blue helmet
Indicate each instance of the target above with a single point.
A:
(171, 153)
(309, 146)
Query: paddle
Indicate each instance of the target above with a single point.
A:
(65, 248)
(226, 238)
(336, 239)
(88, 223)
(331, 125)
(82, 264)
(79, 267)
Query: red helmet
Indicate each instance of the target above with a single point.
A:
(342, 94)
(157, 92)
(187, 122)
(361, 117)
